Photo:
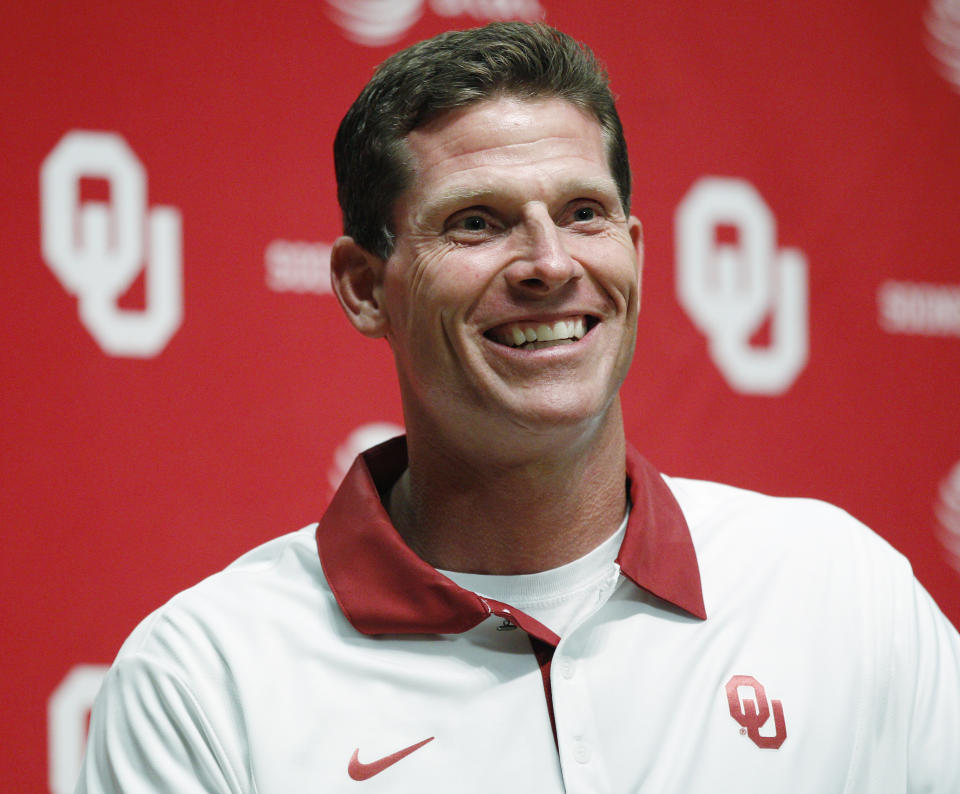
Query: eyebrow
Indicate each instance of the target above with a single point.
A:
(463, 196)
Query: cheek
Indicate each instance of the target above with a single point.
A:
(626, 270)
(415, 294)
(614, 269)
(446, 283)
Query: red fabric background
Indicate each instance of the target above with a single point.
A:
(126, 479)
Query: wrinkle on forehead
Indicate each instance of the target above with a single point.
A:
(498, 123)
(506, 148)
(455, 145)
(509, 109)
(521, 189)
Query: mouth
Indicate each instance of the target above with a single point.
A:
(533, 335)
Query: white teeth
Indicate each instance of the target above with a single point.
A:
(517, 334)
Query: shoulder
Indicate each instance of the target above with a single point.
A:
(806, 565)
(727, 521)
(263, 593)
(829, 612)
(171, 712)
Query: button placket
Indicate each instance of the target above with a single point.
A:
(581, 757)
(581, 753)
(571, 707)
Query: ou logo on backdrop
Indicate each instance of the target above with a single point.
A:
(730, 289)
(360, 439)
(96, 250)
(943, 24)
(947, 508)
(375, 23)
(67, 712)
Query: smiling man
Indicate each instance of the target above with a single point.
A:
(511, 598)
(510, 302)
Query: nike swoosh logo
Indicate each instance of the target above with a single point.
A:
(361, 771)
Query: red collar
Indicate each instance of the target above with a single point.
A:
(384, 588)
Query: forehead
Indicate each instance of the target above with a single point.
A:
(492, 144)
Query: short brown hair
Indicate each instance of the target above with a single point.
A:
(448, 71)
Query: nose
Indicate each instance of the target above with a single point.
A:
(542, 263)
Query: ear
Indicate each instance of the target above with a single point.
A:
(636, 236)
(357, 279)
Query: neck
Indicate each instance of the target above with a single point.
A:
(521, 511)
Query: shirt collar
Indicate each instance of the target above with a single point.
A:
(657, 553)
(383, 587)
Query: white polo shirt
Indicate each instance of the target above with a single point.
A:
(334, 659)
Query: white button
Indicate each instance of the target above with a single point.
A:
(567, 668)
(581, 753)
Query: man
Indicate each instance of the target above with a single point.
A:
(511, 598)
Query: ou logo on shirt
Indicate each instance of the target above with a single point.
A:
(729, 289)
(97, 250)
(749, 706)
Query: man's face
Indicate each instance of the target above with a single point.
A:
(513, 290)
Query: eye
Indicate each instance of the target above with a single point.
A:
(585, 214)
(473, 223)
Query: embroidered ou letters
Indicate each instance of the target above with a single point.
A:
(751, 710)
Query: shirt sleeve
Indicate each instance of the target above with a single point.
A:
(148, 733)
(933, 765)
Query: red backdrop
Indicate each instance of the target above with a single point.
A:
(179, 385)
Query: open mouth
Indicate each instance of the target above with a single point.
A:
(534, 335)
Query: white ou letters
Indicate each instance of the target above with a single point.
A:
(947, 508)
(97, 250)
(730, 289)
(362, 438)
(67, 713)
(375, 23)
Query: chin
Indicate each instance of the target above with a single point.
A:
(553, 415)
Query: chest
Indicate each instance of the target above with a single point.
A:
(641, 702)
